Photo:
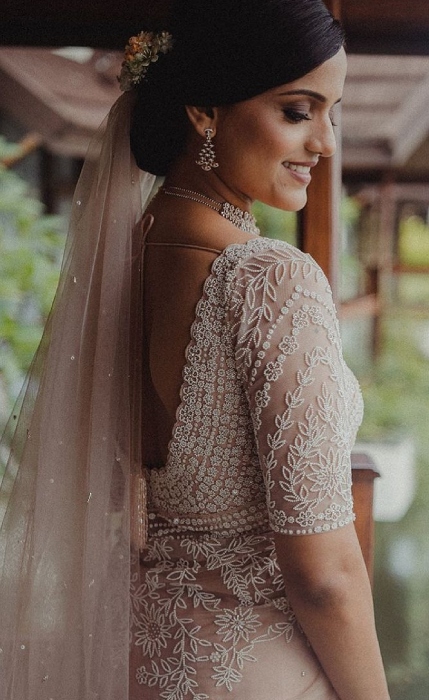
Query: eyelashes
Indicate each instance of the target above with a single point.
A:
(295, 116)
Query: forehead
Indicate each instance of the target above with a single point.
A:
(324, 84)
(326, 80)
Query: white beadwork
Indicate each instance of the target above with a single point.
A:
(261, 443)
(213, 468)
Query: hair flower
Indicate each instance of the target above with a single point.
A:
(140, 52)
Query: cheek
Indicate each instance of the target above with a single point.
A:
(233, 149)
(251, 152)
(261, 137)
(251, 143)
(271, 141)
(244, 130)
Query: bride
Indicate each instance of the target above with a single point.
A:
(179, 520)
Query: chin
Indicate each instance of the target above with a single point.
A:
(292, 203)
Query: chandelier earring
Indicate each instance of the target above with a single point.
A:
(207, 156)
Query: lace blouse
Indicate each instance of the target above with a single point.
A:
(261, 444)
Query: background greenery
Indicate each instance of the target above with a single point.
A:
(31, 246)
(396, 394)
(395, 388)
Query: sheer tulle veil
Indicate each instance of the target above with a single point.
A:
(74, 446)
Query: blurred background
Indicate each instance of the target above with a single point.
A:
(57, 82)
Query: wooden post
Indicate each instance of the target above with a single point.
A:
(319, 220)
(363, 476)
(376, 320)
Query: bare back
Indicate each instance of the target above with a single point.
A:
(177, 261)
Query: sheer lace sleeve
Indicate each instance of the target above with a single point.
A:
(304, 401)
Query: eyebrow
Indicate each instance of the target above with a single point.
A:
(309, 93)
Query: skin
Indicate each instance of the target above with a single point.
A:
(256, 139)
(255, 142)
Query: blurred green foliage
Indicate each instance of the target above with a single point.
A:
(396, 386)
(413, 245)
(275, 223)
(31, 246)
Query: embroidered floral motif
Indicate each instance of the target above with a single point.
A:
(307, 456)
(262, 440)
(273, 370)
(235, 625)
(288, 344)
(181, 627)
(300, 319)
(152, 631)
(316, 315)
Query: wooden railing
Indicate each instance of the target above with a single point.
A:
(363, 475)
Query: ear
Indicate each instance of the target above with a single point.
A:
(202, 118)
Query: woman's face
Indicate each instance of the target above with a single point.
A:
(266, 146)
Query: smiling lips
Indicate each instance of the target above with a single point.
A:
(300, 171)
(300, 167)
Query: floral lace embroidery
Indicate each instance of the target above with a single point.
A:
(262, 440)
(174, 643)
(306, 458)
(213, 480)
(212, 470)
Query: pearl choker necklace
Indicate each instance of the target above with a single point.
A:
(241, 219)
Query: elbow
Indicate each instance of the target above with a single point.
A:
(324, 591)
(331, 585)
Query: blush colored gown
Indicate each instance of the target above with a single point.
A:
(261, 444)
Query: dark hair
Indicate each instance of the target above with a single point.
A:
(225, 51)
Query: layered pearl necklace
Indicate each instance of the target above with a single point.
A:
(241, 219)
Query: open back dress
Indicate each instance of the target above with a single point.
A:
(261, 443)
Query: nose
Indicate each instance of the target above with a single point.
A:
(322, 139)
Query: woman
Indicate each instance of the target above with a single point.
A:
(190, 383)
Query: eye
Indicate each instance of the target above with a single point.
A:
(295, 116)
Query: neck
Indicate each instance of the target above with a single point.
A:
(243, 220)
(187, 175)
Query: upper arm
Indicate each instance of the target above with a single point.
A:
(318, 568)
(301, 395)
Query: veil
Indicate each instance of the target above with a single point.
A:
(74, 449)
